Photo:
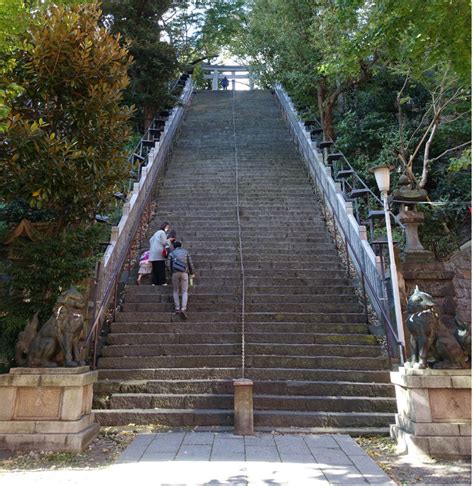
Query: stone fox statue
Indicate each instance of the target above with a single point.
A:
(56, 343)
(430, 339)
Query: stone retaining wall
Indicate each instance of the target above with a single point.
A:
(460, 264)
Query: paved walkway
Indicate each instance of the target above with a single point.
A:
(218, 458)
(222, 458)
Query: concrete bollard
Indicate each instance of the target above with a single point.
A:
(243, 407)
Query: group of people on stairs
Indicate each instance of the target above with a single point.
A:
(164, 247)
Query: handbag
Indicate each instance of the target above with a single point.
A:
(165, 252)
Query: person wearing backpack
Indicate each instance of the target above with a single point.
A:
(181, 267)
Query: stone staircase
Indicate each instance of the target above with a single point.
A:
(308, 349)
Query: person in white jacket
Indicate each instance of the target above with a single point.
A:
(157, 245)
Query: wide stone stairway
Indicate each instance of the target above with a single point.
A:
(307, 346)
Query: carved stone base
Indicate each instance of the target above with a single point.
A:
(434, 412)
(47, 409)
(420, 257)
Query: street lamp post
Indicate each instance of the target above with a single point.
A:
(382, 176)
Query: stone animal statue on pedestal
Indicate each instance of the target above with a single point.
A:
(430, 340)
(56, 343)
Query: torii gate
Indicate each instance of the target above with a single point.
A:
(218, 72)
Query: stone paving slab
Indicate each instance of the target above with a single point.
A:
(223, 458)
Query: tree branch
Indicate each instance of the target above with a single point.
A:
(400, 120)
(451, 150)
(426, 160)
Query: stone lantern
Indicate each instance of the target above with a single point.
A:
(410, 218)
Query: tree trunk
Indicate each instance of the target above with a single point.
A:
(326, 103)
(149, 114)
(328, 123)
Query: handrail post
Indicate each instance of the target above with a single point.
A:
(393, 272)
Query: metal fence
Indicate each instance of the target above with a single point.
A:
(367, 265)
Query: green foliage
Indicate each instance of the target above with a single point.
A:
(462, 163)
(18, 209)
(155, 61)
(15, 17)
(421, 34)
(395, 77)
(62, 156)
(218, 26)
(38, 271)
(201, 31)
(369, 134)
(63, 148)
(198, 78)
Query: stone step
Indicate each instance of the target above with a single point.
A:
(308, 349)
(288, 211)
(207, 268)
(228, 299)
(169, 417)
(235, 337)
(230, 241)
(262, 418)
(250, 191)
(251, 260)
(276, 419)
(212, 234)
(273, 273)
(216, 386)
(250, 317)
(261, 402)
(280, 250)
(201, 289)
(189, 228)
(276, 283)
(258, 361)
(266, 374)
(279, 349)
(251, 327)
(197, 305)
(203, 224)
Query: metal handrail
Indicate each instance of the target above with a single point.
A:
(141, 150)
(109, 291)
(355, 175)
(360, 252)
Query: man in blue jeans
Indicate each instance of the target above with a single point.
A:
(181, 267)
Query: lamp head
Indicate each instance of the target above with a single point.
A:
(382, 176)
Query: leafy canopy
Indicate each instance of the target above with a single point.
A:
(155, 61)
(62, 149)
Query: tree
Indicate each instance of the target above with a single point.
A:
(447, 103)
(423, 34)
(218, 27)
(155, 60)
(15, 17)
(62, 149)
(308, 45)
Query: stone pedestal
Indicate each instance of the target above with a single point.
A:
(243, 407)
(434, 412)
(47, 409)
